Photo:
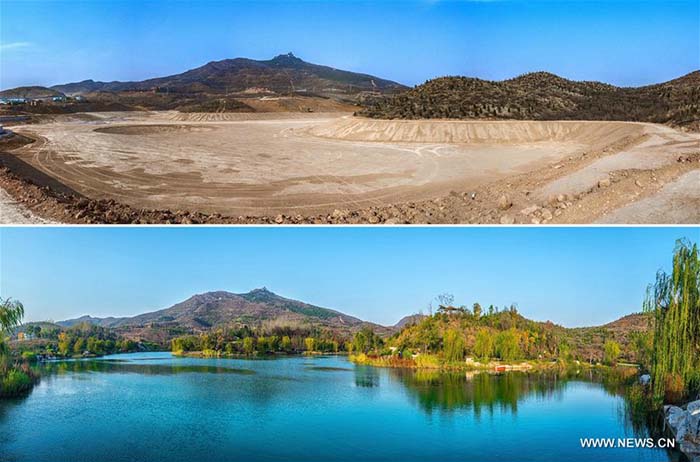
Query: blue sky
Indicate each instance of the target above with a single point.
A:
(625, 42)
(572, 276)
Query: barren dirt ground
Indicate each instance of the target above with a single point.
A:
(14, 213)
(330, 168)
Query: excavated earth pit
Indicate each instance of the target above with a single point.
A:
(262, 165)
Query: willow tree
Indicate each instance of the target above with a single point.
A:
(11, 314)
(453, 345)
(675, 304)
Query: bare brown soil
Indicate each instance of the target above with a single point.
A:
(290, 168)
(152, 129)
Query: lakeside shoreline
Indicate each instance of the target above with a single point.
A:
(435, 363)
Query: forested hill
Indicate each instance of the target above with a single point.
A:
(544, 96)
(525, 338)
(220, 309)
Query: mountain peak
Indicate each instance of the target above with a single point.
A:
(286, 60)
(289, 55)
(260, 294)
(261, 290)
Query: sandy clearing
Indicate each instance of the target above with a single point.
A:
(309, 166)
(263, 165)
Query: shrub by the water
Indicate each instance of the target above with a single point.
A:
(15, 383)
(16, 380)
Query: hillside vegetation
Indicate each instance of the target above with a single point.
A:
(543, 96)
(453, 333)
(30, 92)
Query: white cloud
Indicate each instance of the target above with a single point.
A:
(14, 45)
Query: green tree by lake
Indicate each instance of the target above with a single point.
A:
(309, 343)
(286, 344)
(79, 346)
(16, 377)
(365, 341)
(453, 345)
(507, 346)
(674, 301)
(611, 352)
(484, 346)
(249, 345)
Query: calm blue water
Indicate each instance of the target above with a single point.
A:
(154, 407)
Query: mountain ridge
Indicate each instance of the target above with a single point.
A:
(283, 74)
(204, 311)
(543, 96)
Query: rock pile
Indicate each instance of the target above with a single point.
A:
(685, 426)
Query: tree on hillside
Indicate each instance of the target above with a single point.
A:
(507, 345)
(674, 301)
(483, 347)
(445, 299)
(611, 352)
(476, 309)
(453, 345)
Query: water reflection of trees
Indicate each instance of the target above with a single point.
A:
(431, 391)
(366, 376)
(435, 391)
(128, 367)
(441, 391)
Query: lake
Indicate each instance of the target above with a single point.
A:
(156, 407)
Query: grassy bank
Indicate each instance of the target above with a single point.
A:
(17, 378)
(436, 362)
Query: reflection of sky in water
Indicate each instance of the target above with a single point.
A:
(157, 407)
